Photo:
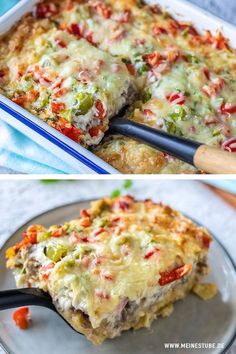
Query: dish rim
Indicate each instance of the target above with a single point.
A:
(3, 345)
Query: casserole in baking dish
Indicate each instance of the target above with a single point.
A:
(118, 266)
(184, 81)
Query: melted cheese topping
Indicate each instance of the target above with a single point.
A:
(119, 250)
(185, 80)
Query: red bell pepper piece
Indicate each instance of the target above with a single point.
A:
(174, 274)
(21, 317)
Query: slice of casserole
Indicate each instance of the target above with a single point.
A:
(65, 81)
(117, 267)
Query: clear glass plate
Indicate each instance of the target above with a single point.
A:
(193, 320)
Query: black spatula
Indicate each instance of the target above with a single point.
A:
(25, 297)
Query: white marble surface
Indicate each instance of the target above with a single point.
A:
(22, 200)
(225, 9)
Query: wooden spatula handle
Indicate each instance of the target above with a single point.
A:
(214, 160)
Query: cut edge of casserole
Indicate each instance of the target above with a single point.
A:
(117, 267)
(148, 309)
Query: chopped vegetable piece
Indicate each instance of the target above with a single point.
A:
(128, 183)
(213, 87)
(44, 270)
(90, 39)
(99, 231)
(20, 100)
(206, 241)
(116, 193)
(102, 294)
(43, 236)
(123, 205)
(125, 16)
(153, 59)
(131, 68)
(100, 110)
(72, 133)
(30, 236)
(84, 213)
(94, 131)
(60, 92)
(207, 73)
(148, 112)
(57, 231)
(146, 96)
(159, 30)
(178, 114)
(205, 291)
(220, 41)
(75, 30)
(85, 101)
(10, 252)
(172, 128)
(193, 59)
(108, 276)
(61, 43)
(230, 145)
(2, 73)
(228, 108)
(46, 10)
(57, 106)
(177, 98)
(49, 181)
(151, 253)
(56, 252)
(172, 275)
(144, 68)
(85, 222)
(102, 9)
